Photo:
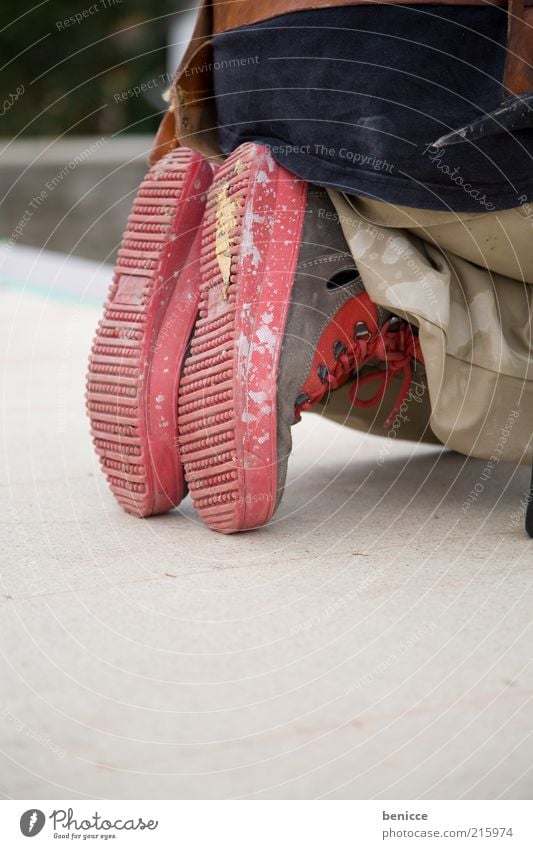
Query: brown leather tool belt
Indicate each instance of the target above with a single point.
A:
(191, 118)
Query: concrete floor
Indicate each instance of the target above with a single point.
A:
(374, 641)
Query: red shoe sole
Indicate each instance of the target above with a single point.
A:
(140, 343)
(227, 401)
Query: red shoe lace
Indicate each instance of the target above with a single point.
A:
(396, 345)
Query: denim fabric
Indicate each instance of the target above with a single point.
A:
(351, 97)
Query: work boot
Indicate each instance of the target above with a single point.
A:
(141, 341)
(284, 319)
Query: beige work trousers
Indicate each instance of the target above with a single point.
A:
(464, 280)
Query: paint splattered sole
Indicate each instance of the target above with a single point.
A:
(227, 400)
(141, 341)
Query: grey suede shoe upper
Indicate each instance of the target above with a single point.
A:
(326, 278)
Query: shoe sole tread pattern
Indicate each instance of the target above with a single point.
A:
(227, 402)
(141, 340)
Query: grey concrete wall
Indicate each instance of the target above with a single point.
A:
(70, 195)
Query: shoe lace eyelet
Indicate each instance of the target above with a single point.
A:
(361, 331)
(339, 349)
(323, 373)
(301, 399)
